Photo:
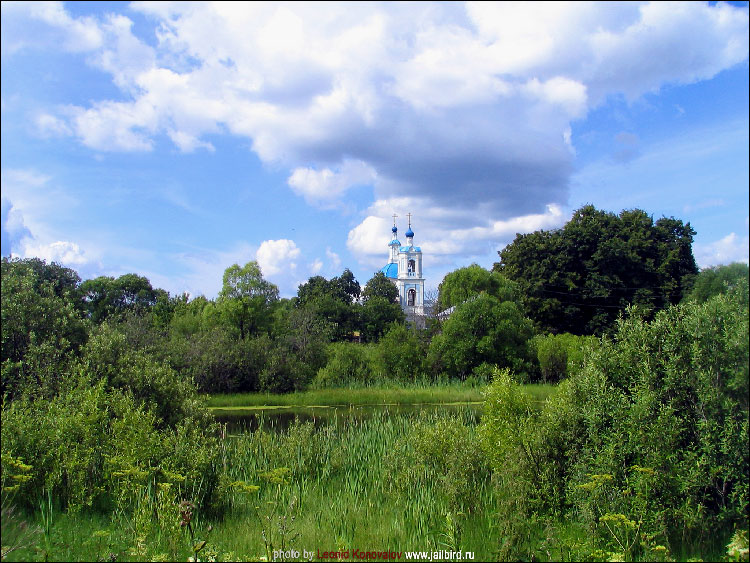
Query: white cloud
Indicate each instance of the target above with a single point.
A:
(63, 252)
(465, 110)
(316, 266)
(30, 203)
(24, 28)
(731, 248)
(202, 269)
(51, 126)
(333, 259)
(36, 200)
(568, 94)
(318, 186)
(439, 232)
(277, 256)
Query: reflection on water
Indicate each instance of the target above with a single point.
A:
(280, 418)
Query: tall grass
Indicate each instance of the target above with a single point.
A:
(339, 487)
(402, 395)
(388, 482)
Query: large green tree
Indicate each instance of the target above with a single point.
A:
(107, 296)
(380, 307)
(461, 284)
(41, 327)
(578, 279)
(245, 299)
(718, 280)
(331, 301)
(380, 286)
(482, 330)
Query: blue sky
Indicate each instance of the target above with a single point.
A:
(173, 140)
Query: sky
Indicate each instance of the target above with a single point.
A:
(173, 140)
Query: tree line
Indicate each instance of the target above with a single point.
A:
(534, 313)
(648, 430)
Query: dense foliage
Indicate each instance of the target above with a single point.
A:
(717, 280)
(648, 440)
(641, 449)
(578, 279)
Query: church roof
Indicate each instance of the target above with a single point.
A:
(390, 270)
(410, 249)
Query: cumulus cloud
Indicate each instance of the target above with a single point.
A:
(731, 248)
(333, 259)
(12, 228)
(435, 230)
(29, 200)
(64, 252)
(319, 186)
(277, 256)
(465, 109)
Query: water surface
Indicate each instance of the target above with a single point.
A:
(249, 419)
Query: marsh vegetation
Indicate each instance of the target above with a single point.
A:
(625, 441)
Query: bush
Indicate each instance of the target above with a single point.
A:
(651, 435)
(400, 355)
(664, 407)
(560, 355)
(348, 364)
(482, 330)
(108, 357)
(219, 363)
(86, 443)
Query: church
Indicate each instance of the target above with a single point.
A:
(404, 269)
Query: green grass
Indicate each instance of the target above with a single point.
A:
(383, 483)
(410, 395)
(358, 486)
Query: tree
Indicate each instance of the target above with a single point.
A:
(482, 330)
(461, 284)
(380, 286)
(348, 284)
(246, 298)
(39, 329)
(331, 301)
(401, 354)
(376, 315)
(578, 279)
(718, 280)
(63, 281)
(106, 296)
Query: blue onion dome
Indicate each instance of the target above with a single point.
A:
(409, 233)
(394, 230)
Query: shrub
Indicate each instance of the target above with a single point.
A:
(86, 443)
(560, 355)
(107, 356)
(400, 355)
(219, 363)
(482, 330)
(669, 397)
(653, 432)
(348, 364)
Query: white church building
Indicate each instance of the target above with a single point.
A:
(404, 269)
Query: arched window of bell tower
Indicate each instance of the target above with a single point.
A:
(412, 266)
(412, 296)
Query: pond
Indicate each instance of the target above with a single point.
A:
(239, 420)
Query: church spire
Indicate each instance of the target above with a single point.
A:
(409, 233)
(395, 243)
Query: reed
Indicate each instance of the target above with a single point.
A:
(379, 395)
(339, 490)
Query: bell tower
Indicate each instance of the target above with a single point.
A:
(410, 281)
